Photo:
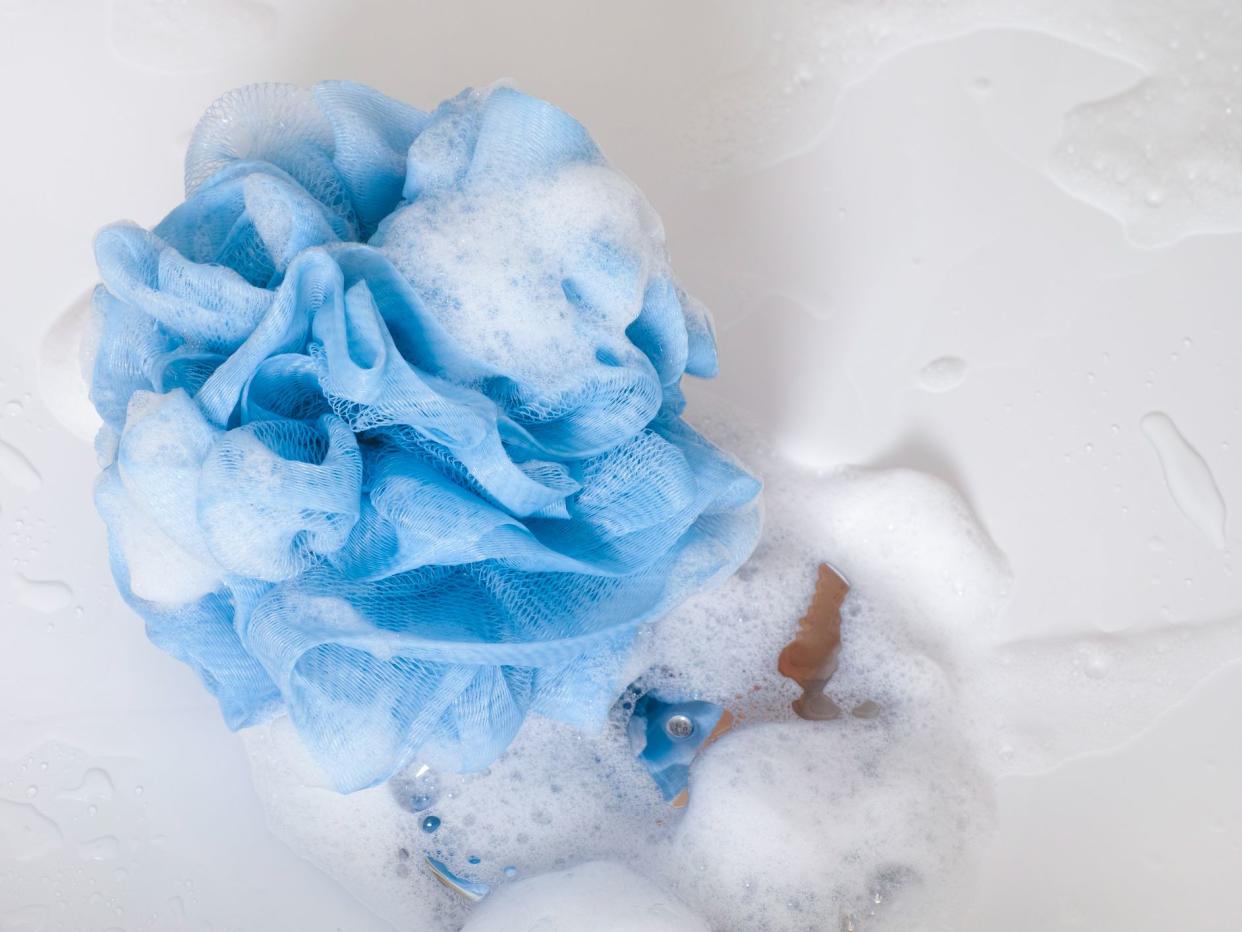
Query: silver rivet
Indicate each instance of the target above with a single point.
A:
(679, 726)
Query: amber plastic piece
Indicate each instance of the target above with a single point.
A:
(810, 659)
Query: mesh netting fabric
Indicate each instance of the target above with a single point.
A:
(392, 432)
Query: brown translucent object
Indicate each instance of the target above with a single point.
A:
(810, 659)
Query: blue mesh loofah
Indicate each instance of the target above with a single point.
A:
(391, 422)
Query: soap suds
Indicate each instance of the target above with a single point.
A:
(537, 277)
(868, 821)
(600, 895)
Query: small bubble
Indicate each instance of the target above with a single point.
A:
(1096, 666)
(510, 871)
(942, 374)
(430, 824)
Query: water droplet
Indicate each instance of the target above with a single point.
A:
(942, 375)
(430, 824)
(61, 364)
(95, 784)
(104, 848)
(1095, 664)
(32, 918)
(1188, 476)
(25, 833)
(474, 859)
(32, 791)
(510, 871)
(17, 470)
(43, 595)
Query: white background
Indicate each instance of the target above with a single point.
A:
(841, 248)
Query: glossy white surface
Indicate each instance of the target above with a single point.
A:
(909, 287)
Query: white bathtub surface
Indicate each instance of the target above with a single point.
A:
(997, 242)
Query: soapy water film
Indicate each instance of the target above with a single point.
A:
(1162, 157)
(859, 822)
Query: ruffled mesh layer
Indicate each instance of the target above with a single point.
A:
(391, 422)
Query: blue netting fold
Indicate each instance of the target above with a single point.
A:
(392, 433)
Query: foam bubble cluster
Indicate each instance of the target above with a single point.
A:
(875, 820)
(790, 824)
(600, 895)
(392, 435)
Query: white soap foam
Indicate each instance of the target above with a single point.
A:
(534, 278)
(791, 824)
(868, 821)
(599, 895)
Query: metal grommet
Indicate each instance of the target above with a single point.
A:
(679, 727)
